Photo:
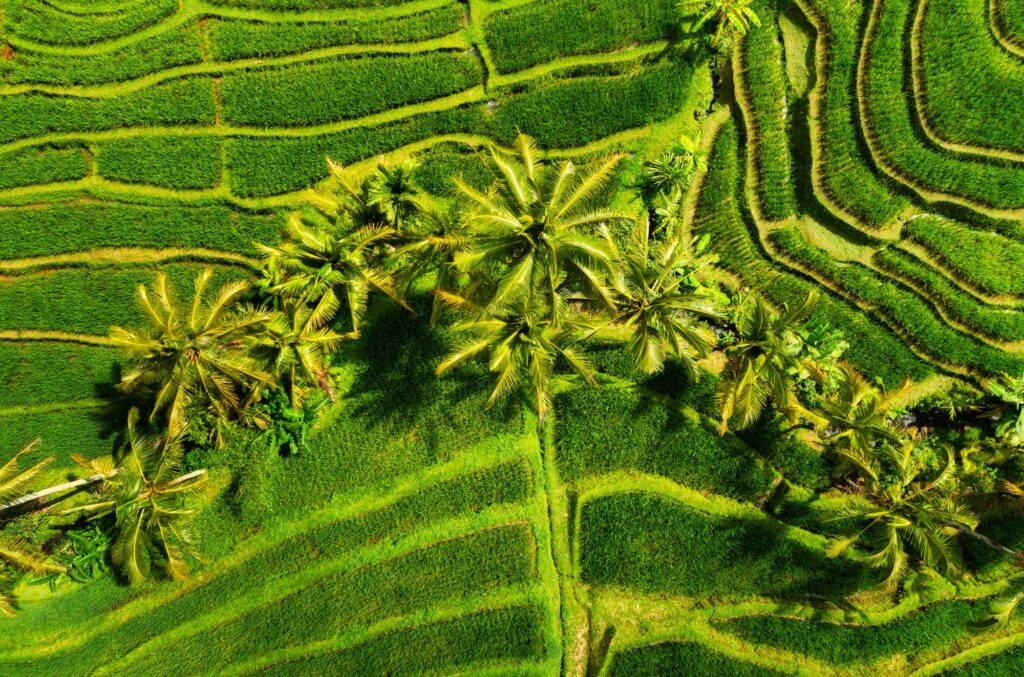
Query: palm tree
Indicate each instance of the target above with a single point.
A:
(195, 357)
(393, 191)
(524, 344)
(151, 503)
(670, 174)
(762, 364)
(295, 343)
(910, 516)
(1010, 392)
(533, 226)
(440, 234)
(320, 264)
(731, 16)
(15, 554)
(856, 417)
(653, 300)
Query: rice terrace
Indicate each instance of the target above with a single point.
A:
(512, 337)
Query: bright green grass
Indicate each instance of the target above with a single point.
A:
(43, 164)
(985, 260)
(656, 544)
(168, 161)
(41, 373)
(76, 226)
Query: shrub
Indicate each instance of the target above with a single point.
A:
(658, 545)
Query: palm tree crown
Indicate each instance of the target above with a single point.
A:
(762, 363)
(532, 227)
(655, 301)
(524, 344)
(196, 355)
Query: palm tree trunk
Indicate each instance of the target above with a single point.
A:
(967, 531)
(43, 493)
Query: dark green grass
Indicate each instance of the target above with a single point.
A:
(940, 626)
(176, 47)
(87, 432)
(439, 167)
(601, 431)
(681, 658)
(568, 27)
(40, 21)
(237, 39)
(559, 113)
(58, 228)
(765, 87)
(997, 323)
(655, 544)
(41, 165)
(40, 373)
(890, 119)
(900, 306)
(399, 417)
(848, 175)
(169, 161)
(435, 576)
(988, 112)
(502, 635)
(875, 351)
(1009, 17)
(181, 102)
(1008, 663)
(308, 4)
(504, 484)
(313, 93)
(91, 301)
(988, 261)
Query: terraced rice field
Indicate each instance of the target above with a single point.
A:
(624, 536)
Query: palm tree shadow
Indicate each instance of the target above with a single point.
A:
(114, 412)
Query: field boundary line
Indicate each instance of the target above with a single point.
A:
(52, 407)
(17, 335)
(999, 29)
(121, 256)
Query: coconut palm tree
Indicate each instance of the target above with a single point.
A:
(536, 224)
(911, 516)
(440, 234)
(730, 16)
(15, 554)
(151, 502)
(762, 363)
(856, 417)
(393, 191)
(323, 263)
(295, 343)
(655, 300)
(194, 356)
(524, 344)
